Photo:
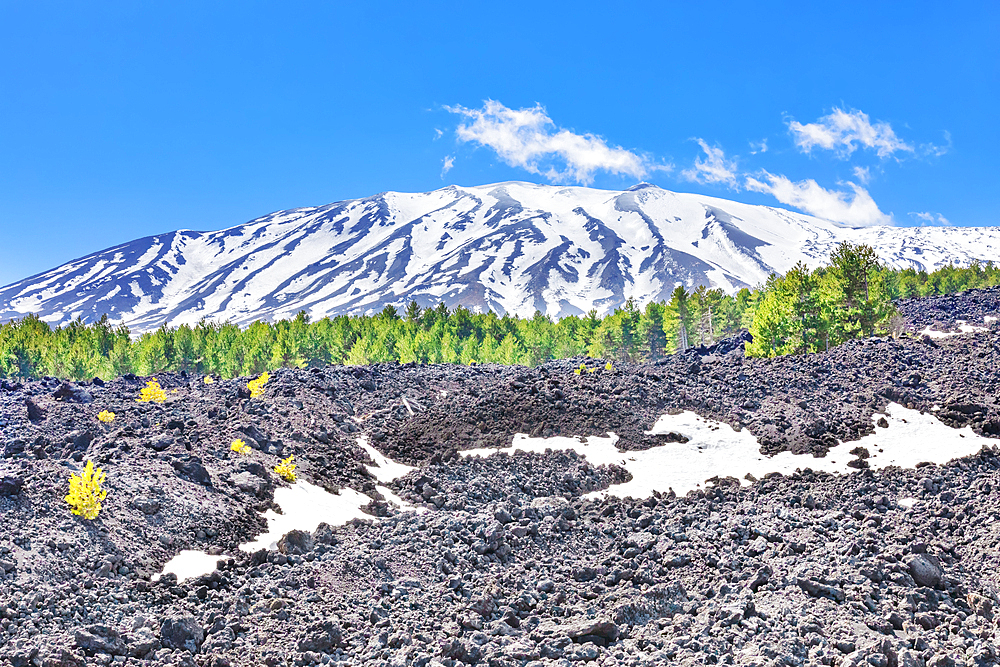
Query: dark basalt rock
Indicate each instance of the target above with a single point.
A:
(100, 639)
(515, 560)
(926, 570)
(191, 468)
(35, 413)
(296, 543)
(70, 393)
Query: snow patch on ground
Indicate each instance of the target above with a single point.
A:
(385, 469)
(715, 449)
(303, 507)
(189, 564)
(963, 328)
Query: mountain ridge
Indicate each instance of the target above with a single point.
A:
(511, 247)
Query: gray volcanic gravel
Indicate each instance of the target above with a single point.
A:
(509, 565)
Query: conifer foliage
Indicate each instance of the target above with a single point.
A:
(801, 312)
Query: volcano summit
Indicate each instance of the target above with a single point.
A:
(508, 247)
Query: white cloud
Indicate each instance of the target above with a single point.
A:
(855, 209)
(932, 218)
(863, 174)
(758, 146)
(529, 139)
(846, 131)
(714, 168)
(438, 134)
(446, 164)
(937, 151)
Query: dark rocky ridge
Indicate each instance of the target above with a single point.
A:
(943, 313)
(510, 565)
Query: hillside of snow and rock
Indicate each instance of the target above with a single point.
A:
(508, 247)
(832, 509)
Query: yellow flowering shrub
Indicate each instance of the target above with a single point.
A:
(209, 379)
(286, 469)
(240, 447)
(85, 492)
(608, 367)
(152, 393)
(256, 387)
(106, 417)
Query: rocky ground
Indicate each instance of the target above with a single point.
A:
(510, 565)
(944, 313)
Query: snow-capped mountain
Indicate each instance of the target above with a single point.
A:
(509, 247)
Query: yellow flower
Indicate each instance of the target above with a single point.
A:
(286, 469)
(152, 393)
(240, 447)
(256, 387)
(105, 416)
(85, 492)
(608, 367)
(209, 379)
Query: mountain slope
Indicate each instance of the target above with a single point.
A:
(509, 247)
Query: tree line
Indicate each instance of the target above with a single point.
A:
(800, 312)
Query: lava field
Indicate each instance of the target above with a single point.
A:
(512, 560)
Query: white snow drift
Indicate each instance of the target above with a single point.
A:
(963, 328)
(303, 507)
(713, 449)
(716, 449)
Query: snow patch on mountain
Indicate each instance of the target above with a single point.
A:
(507, 247)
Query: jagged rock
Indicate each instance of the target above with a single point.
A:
(147, 505)
(660, 601)
(245, 481)
(182, 632)
(589, 629)
(818, 590)
(142, 641)
(67, 392)
(296, 542)
(35, 412)
(322, 637)
(11, 485)
(926, 570)
(192, 468)
(100, 639)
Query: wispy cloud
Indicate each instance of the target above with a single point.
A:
(863, 174)
(855, 208)
(438, 133)
(713, 168)
(446, 164)
(529, 139)
(929, 218)
(758, 146)
(845, 131)
(934, 150)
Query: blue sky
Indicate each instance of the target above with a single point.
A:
(122, 119)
